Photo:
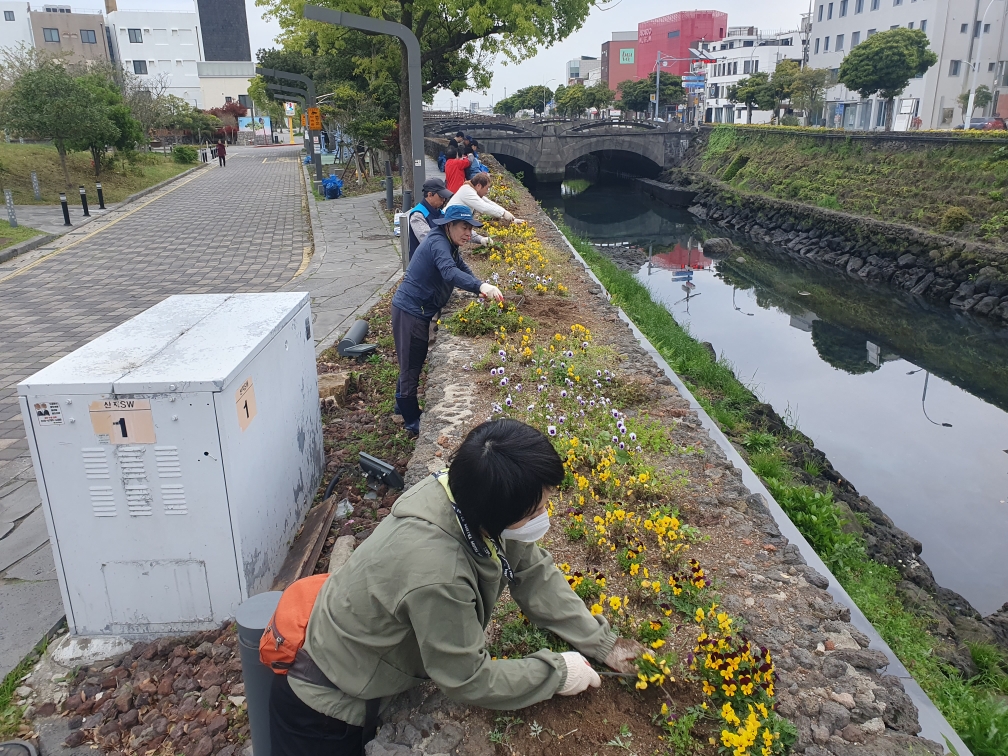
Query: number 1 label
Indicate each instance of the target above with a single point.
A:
(245, 404)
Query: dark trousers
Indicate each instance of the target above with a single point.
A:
(413, 337)
(221, 159)
(296, 729)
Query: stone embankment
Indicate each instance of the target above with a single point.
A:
(966, 276)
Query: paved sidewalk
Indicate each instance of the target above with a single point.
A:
(241, 228)
(356, 258)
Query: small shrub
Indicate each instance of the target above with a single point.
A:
(954, 219)
(759, 442)
(768, 464)
(479, 318)
(184, 154)
(829, 202)
(734, 167)
(997, 195)
(789, 120)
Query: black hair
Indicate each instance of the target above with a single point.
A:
(459, 134)
(467, 149)
(451, 151)
(498, 474)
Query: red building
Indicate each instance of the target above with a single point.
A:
(674, 35)
(619, 58)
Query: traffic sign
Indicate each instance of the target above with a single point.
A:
(304, 122)
(314, 119)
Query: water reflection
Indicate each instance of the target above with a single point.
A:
(843, 359)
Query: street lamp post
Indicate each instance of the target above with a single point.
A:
(663, 59)
(544, 94)
(976, 68)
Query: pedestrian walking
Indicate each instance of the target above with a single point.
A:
(415, 598)
(221, 152)
(423, 214)
(436, 269)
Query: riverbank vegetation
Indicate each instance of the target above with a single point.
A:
(959, 189)
(975, 707)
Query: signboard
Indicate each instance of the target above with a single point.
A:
(304, 123)
(289, 109)
(626, 56)
(652, 98)
(314, 119)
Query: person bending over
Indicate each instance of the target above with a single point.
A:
(473, 194)
(414, 600)
(435, 269)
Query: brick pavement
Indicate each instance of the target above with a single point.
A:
(237, 228)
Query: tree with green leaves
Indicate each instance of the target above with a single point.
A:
(781, 83)
(49, 103)
(458, 42)
(116, 129)
(808, 90)
(983, 98)
(671, 91)
(753, 91)
(572, 101)
(507, 107)
(635, 96)
(600, 96)
(884, 64)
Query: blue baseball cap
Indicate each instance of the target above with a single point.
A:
(457, 213)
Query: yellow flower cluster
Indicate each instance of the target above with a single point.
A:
(744, 736)
(518, 260)
(653, 670)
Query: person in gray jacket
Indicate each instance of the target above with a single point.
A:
(415, 598)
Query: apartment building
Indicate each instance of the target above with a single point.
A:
(159, 43)
(16, 27)
(960, 35)
(743, 52)
(619, 58)
(79, 35)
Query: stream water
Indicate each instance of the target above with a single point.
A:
(908, 401)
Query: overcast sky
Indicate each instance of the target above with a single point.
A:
(616, 15)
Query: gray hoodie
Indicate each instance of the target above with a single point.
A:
(412, 604)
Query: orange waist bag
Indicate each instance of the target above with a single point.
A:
(284, 636)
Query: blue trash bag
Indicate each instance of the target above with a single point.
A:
(332, 186)
(307, 160)
(441, 160)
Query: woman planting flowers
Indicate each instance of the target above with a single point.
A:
(415, 598)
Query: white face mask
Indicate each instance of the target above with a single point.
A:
(530, 532)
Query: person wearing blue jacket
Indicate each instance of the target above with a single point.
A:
(422, 215)
(434, 271)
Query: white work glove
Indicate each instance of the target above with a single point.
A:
(491, 292)
(580, 675)
(508, 217)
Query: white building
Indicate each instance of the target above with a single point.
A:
(16, 26)
(743, 52)
(580, 69)
(166, 43)
(957, 31)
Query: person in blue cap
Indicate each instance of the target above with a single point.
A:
(434, 271)
(423, 214)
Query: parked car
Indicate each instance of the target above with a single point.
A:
(987, 124)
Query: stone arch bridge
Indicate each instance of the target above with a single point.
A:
(550, 146)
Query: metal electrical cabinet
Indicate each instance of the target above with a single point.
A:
(176, 456)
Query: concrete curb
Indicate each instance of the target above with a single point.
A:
(933, 724)
(11, 252)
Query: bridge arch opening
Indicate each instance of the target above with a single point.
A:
(613, 163)
(515, 165)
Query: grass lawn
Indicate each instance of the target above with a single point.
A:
(17, 161)
(9, 236)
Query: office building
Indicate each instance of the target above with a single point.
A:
(158, 43)
(619, 58)
(80, 37)
(580, 69)
(743, 52)
(959, 35)
(673, 36)
(225, 30)
(224, 81)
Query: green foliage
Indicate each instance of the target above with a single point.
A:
(981, 100)
(955, 218)
(479, 318)
(183, 153)
(757, 441)
(572, 101)
(49, 103)
(753, 92)
(636, 95)
(885, 62)
(720, 141)
(808, 90)
(734, 167)
(519, 637)
(534, 98)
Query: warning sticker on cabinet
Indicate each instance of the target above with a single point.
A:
(123, 421)
(48, 413)
(245, 403)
